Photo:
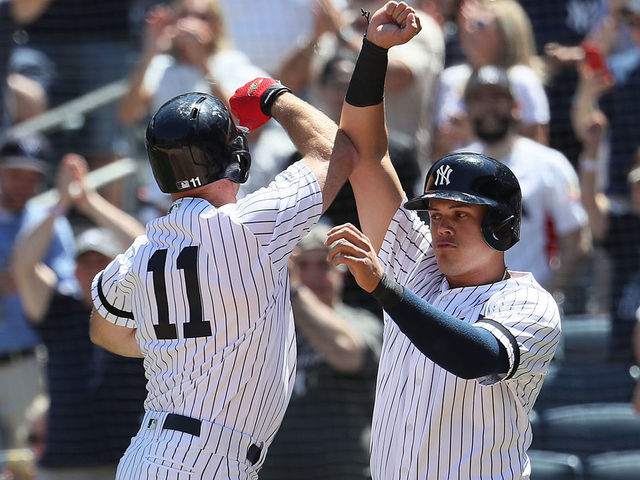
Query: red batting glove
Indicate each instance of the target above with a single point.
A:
(251, 104)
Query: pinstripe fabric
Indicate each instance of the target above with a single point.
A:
(430, 424)
(241, 375)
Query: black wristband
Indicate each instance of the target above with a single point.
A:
(269, 96)
(388, 293)
(367, 82)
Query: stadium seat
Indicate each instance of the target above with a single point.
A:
(555, 466)
(584, 339)
(568, 384)
(589, 429)
(613, 466)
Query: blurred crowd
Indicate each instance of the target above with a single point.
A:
(550, 88)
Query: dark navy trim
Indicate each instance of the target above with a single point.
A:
(512, 340)
(110, 308)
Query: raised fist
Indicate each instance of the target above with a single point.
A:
(393, 24)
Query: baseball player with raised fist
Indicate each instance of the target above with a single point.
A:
(204, 295)
(467, 342)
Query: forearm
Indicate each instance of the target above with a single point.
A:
(311, 131)
(26, 11)
(574, 247)
(594, 203)
(34, 280)
(458, 347)
(125, 227)
(328, 334)
(376, 187)
(134, 104)
(295, 70)
(116, 339)
(34, 244)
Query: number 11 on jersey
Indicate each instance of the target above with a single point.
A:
(188, 262)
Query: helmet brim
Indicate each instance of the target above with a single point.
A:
(422, 202)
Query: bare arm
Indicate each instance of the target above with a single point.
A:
(574, 247)
(595, 202)
(26, 11)
(125, 227)
(376, 186)
(328, 334)
(157, 39)
(116, 339)
(589, 125)
(34, 280)
(326, 151)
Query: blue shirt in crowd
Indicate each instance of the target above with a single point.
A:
(16, 332)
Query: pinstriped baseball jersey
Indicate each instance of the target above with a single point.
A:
(430, 424)
(208, 291)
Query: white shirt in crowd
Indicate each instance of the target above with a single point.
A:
(527, 89)
(550, 194)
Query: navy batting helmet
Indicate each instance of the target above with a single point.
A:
(192, 141)
(479, 180)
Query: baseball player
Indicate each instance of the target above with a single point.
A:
(467, 342)
(204, 295)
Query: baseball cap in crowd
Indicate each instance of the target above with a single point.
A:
(489, 75)
(632, 6)
(98, 240)
(634, 175)
(32, 152)
(314, 240)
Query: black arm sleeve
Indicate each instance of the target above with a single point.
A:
(462, 349)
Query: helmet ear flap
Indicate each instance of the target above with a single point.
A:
(244, 162)
(238, 170)
(500, 229)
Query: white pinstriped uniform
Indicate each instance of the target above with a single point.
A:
(430, 424)
(226, 266)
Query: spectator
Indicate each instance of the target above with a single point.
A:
(498, 33)
(23, 167)
(620, 106)
(615, 224)
(325, 431)
(90, 45)
(550, 188)
(560, 28)
(90, 390)
(17, 96)
(185, 48)
(413, 72)
(445, 12)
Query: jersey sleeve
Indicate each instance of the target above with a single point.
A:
(563, 203)
(407, 241)
(112, 289)
(527, 322)
(283, 212)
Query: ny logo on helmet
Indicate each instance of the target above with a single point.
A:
(442, 175)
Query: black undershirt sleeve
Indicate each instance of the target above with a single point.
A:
(458, 347)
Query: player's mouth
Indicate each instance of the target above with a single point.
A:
(445, 245)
